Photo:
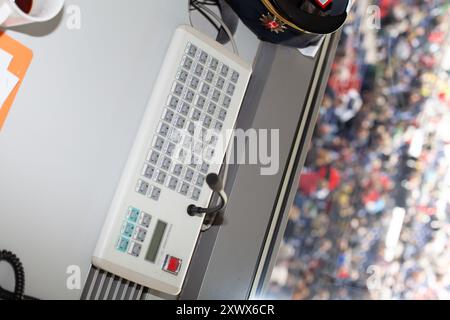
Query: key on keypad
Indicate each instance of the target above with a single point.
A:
(153, 157)
(155, 193)
(214, 64)
(187, 63)
(184, 189)
(189, 175)
(184, 109)
(178, 88)
(158, 143)
(200, 102)
(177, 170)
(194, 83)
(173, 183)
(173, 102)
(220, 83)
(192, 50)
(142, 187)
(182, 76)
(196, 194)
(203, 57)
(148, 171)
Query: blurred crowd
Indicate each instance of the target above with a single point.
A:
(382, 142)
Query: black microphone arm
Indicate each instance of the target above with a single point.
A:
(215, 184)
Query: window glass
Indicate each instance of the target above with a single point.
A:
(371, 218)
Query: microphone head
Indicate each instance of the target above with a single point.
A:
(214, 182)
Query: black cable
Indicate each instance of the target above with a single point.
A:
(19, 277)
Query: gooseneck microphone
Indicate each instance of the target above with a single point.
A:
(215, 184)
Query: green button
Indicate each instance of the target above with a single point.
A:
(133, 214)
(122, 245)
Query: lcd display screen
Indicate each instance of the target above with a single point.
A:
(155, 244)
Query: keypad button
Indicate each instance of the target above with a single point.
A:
(218, 126)
(179, 122)
(189, 175)
(222, 115)
(153, 157)
(184, 188)
(160, 177)
(199, 70)
(177, 89)
(200, 102)
(196, 194)
(191, 128)
(235, 76)
(191, 50)
(163, 129)
(207, 121)
(194, 83)
(184, 109)
(173, 183)
(182, 155)
(177, 170)
(213, 140)
(200, 180)
(220, 83)
(210, 153)
(135, 249)
(182, 76)
(175, 136)
(133, 214)
(172, 265)
(168, 115)
(209, 76)
(204, 135)
(205, 89)
(145, 219)
(216, 96)
(226, 102)
(139, 234)
(122, 244)
(196, 114)
(158, 143)
(127, 229)
(142, 187)
(155, 193)
(189, 96)
(148, 171)
(204, 168)
(212, 108)
(224, 70)
(213, 64)
(166, 163)
(169, 149)
(173, 102)
(230, 89)
(203, 57)
(187, 63)
(194, 162)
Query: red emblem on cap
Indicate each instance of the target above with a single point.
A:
(272, 23)
(323, 3)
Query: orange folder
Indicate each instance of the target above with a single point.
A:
(22, 57)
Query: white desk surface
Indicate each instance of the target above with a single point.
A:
(71, 127)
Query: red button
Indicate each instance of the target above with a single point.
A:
(173, 265)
